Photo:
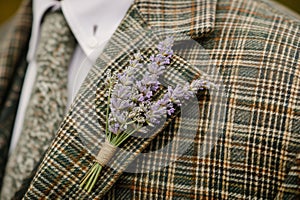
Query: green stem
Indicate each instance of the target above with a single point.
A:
(87, 186)
(87, 176)
(96, 177)
(131, 122)
(122, 137)
(91, 177)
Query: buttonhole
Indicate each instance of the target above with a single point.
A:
(95, 27)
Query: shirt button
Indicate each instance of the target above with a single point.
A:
(92, 42)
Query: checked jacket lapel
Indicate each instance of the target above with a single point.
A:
(81, 134)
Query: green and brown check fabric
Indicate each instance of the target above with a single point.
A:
(255, 49)
(47, 104)
(12, 69)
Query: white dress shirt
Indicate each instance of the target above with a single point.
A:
(92, 22)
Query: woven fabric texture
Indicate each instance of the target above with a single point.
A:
(255, 155)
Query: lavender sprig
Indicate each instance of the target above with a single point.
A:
(131, 108)
(131, 105)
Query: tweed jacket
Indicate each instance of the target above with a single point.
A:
(243, 144)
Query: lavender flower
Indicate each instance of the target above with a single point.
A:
(131, 100)
(155, 112)
(165, 52)
(132, 107)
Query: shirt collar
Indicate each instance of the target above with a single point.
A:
(92, 23)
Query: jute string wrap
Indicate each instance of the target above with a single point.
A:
(106, 153)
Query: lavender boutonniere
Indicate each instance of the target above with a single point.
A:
(132, 106)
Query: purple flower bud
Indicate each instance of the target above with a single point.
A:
(114, 128)
(170, 111)
(149, 94)
(155, 86)
(141, 99)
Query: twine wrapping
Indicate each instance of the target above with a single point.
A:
(106, 153)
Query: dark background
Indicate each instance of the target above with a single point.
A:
(9, 7)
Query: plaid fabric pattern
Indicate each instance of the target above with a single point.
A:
(12, 69)
(256, 51)
(193, 18)
(47, 104)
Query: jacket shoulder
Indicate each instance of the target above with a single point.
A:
(280, 9)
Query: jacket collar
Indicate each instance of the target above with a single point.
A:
(194, 18)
